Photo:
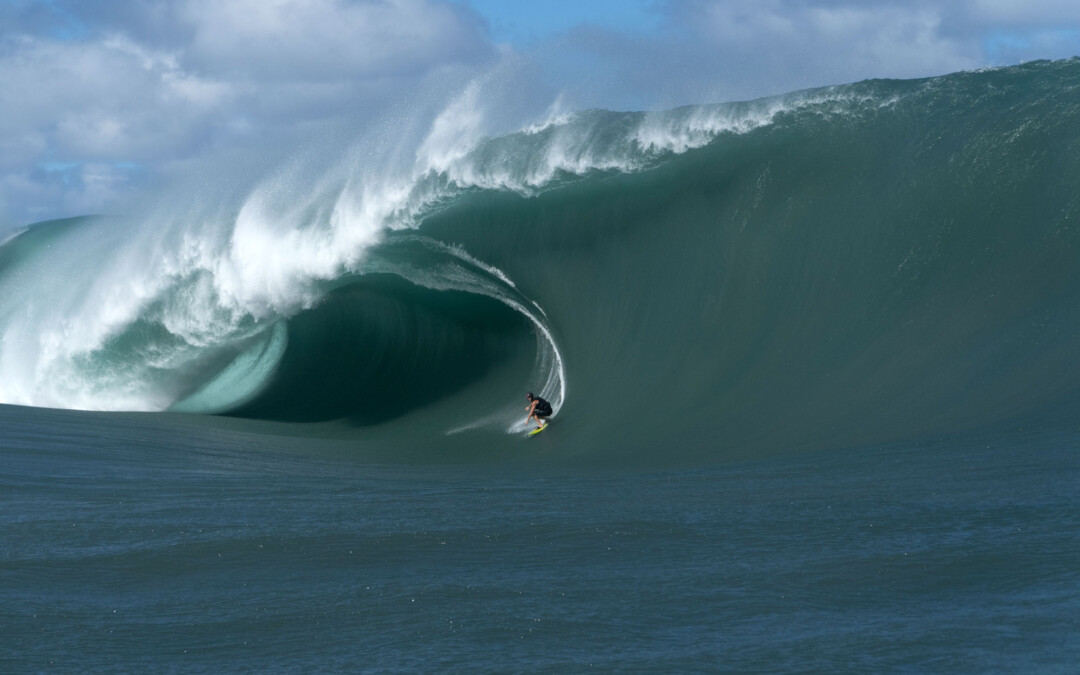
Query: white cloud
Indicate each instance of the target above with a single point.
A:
(1022, 13)
(714, 50)
(321, 40)
(97, 101)
(834, 38)
(741, 49)
(159, 82)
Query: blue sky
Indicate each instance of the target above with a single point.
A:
(101, 99)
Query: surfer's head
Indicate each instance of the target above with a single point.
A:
(529, 396)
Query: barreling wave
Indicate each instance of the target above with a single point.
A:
(863, 263)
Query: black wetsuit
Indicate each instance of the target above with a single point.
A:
(543, 408)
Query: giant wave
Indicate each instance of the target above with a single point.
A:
(880, 261)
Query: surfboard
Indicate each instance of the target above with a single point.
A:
(536, 431)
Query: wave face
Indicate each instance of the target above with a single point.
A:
(866, 263)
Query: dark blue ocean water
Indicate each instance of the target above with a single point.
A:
(139, 543)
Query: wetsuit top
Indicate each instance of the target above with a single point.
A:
(543, 408)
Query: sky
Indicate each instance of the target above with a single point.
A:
(102, 100)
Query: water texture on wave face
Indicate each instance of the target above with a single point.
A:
(867, 263)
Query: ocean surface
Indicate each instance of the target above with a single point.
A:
(813, 360)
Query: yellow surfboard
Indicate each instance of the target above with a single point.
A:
(536, 431)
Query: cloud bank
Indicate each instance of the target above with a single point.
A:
(96, 98)
(710, 50)
(99, 100)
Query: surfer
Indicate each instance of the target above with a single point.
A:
(539, 409)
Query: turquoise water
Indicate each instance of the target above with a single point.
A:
(812, 359)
